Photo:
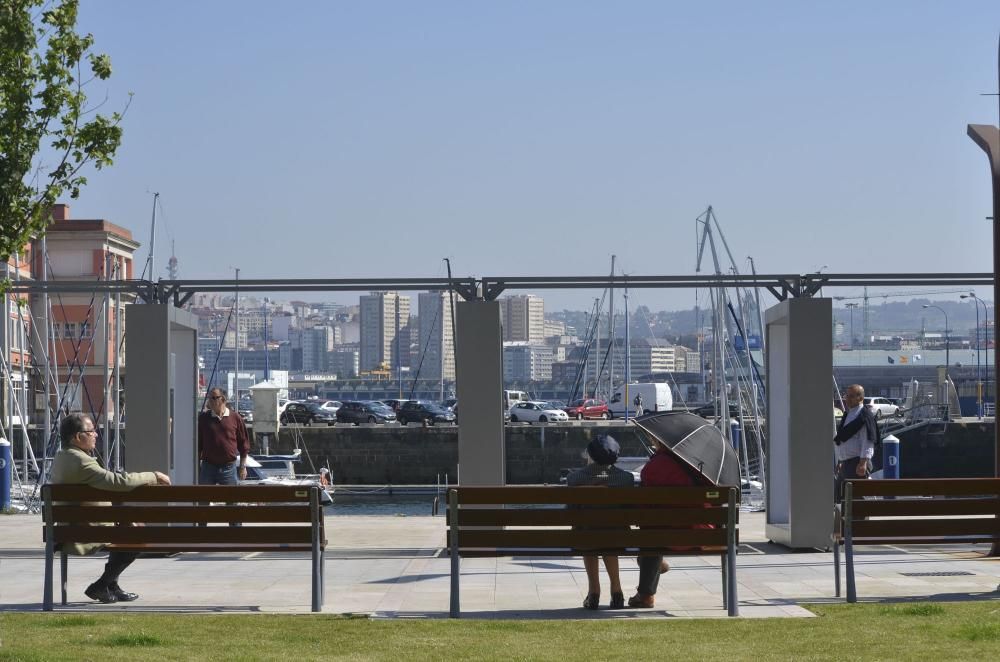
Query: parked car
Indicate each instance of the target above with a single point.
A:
(587, 408)
(419, 411)
(883, 407)
(536, 411)
(245, 409)
(368, 411)
(449, 403)
(307, 413)
(394, 404)
(330, 405)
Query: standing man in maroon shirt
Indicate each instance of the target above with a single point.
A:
(223, 443)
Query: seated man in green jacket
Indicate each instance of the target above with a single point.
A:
(76, 464)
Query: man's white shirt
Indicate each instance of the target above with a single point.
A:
(859, 445)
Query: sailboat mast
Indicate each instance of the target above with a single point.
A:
(627, 402)
(611, 331)
(152, 240)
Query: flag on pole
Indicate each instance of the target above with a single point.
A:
(890, 359)
(903, 359)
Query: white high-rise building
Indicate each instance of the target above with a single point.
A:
(436, 347)
(383, 314)
(523, 318)
(523, 362)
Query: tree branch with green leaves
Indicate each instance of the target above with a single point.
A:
(48, 134)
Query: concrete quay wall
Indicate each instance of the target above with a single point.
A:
(417, 455)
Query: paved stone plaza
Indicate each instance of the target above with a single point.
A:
(393, 567)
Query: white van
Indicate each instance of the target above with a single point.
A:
(511, 398)
(655, 397)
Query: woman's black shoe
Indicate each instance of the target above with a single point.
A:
(617, 601)
(592, 601)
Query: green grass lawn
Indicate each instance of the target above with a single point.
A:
(918, 631)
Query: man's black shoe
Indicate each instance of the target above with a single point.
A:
(101, 593)
(122, 596)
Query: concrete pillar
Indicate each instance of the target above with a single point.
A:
(799, 497)
(479, 373)
(988, 139)
(161, 391)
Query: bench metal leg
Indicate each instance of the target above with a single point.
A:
(836, 567)
(47, 587)
(454, 610)
(734, 605)
(731, 598)
(852, 593)
(63, 573)
(317, 552)
(725, 584)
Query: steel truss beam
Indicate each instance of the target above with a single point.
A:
(782, 286)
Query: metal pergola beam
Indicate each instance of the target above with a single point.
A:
(782, 286)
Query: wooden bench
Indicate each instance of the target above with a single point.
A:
(175, 519)
(914, 512)
(573, 521)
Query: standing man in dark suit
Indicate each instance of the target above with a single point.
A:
(75, 464)
(223, 443)
(855, 440)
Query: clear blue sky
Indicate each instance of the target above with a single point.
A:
(334, 139)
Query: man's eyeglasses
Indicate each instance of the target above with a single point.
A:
(90, 431)
(217, 397)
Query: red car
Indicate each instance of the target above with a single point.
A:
(587, 408)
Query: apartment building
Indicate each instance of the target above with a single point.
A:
(436, 344)
(523, 318)
(383, 315)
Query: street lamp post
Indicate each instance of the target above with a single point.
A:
(979, 367)
(947, 340)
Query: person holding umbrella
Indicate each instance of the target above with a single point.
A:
(662, 470)
(603, 452)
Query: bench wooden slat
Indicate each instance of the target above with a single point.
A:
(592, 495)
(929, 540)
(917, 507)
(589, 538)
(181, 514)
(902, 528)
(179, 493)
(927, 487)
(602, 516)
(213, 548)
(565, 553)
(182, 534)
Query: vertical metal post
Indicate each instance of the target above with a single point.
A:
(116, 377)
(46, 356)
(455, 609)
(611, 333)
(852, 595)
(236, 354)
(731, 532)
(106, 360)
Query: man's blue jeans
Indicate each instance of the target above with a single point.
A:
(218, 474)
